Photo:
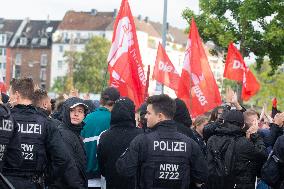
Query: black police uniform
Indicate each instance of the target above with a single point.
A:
(38, 140)
(10, 148)
(165, 159)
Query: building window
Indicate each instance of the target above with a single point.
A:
(43, 42)
(18, 60)
(3, 39)
(4, 65)
(60, 64)
(61, 49)
(1, 51)
(43, 60)
(34, 41)
(43, 74)
(43, 85)
(23, 41)
(17, 71)
(4, 51)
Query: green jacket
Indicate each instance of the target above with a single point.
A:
(95, 123)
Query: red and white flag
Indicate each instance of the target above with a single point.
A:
(164, 71)
(124, 60)
(197, 86)
(236, 69)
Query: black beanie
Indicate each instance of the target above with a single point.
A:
(235, 117)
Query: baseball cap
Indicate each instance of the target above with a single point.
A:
(79, 103)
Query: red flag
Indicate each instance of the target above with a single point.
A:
(236, 69)
(197, 86)
(164, 71)
(250, 85)
(124, 60)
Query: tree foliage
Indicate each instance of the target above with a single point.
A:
(257, 25)
(91, 67)
(59, 85)
(271, 86)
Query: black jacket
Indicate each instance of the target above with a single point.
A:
(250, 154)
(273, 169)
(200, 141)
(137, 155)
(10, 152)
(75, 173)
(115, 141)
(52, 171)
(210, 129)
(275, 132)
(51, 139)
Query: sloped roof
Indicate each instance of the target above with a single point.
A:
(104, 21)
(179, 36)
(37, 29)
(86, 21)
(141, 25)
(10, 25)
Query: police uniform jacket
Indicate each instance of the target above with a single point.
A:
(163, 159)
(10, 147)
(40, 141)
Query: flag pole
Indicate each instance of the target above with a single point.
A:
(164, 30)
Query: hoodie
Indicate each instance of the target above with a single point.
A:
(115, 141)
(183, 119)
(73, 143)
(248, 154)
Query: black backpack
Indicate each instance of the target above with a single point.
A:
(221, 161)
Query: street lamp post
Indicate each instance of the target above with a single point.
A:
(164, 31)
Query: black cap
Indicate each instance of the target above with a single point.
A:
(111, 94)
(235, 117)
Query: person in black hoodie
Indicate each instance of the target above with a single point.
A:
(73, 112)
(115, 141)
(182, 117)
(239, 148)
(41, 101)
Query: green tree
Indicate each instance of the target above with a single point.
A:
(72, 58)
(271, 86)
(59, 85)
(90, 68)
(257, 25)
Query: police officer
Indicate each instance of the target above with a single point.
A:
(10, 148)
(163, 158)
(38, 140)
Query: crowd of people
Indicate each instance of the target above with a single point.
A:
(52, 145)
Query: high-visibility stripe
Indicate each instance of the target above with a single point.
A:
(90, 139)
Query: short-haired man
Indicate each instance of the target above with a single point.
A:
(38, 140)
(95, 123)
(251, 116)
(163, 158)
(42, 100)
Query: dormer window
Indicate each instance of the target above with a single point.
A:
(43, 42)
(23, 41)
(3, 39)
(34, 41)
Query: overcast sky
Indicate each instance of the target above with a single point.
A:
(39, 9)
